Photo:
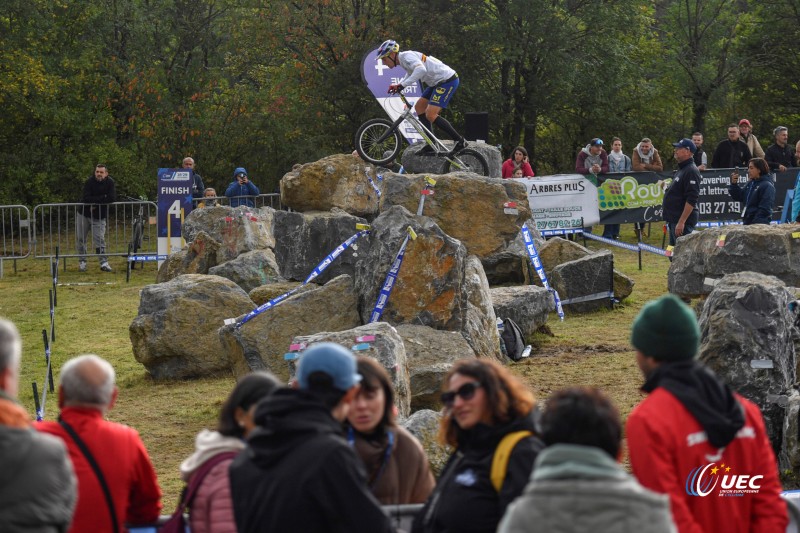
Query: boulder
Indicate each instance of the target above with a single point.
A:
(238, 230)
(424, 425)
(513, 265)
(528, 306)
(250, 269)
(746, 338)
(430, 354)
(480, 323)
(174, 334)
(789, 455)
(387, 349)
(196, 258)
(264, 293)
(303, 240)
(588, 277)
(261, 343)
(335, 181)
(425, 164)
(698, 258)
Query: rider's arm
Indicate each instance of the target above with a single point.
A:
(413, 65)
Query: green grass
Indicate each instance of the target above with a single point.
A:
(584, 349)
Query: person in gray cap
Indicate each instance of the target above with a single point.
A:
(298, 472)
(693, 438)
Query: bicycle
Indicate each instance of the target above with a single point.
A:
(137, 230)
(378, 136)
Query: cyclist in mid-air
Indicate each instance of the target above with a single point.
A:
(441, 83)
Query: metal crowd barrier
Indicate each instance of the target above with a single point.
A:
(15, 231)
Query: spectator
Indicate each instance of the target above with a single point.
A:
(518, 160)
(241, 190)
(397, 468)
(518, 173)
(298, 472)
(209, 198)
(212, 507)
(745, 132)
(779, 154)
(98, 192)
(796, 200)
(483, 403)
(617, 161)
(700, 157)
(197, 181)
(758, 196)
(645, 157)
(592, 160)
(680, 198)
(732, 152)
(37, 483)
(579, 469)
(102, 452)
(692, 424)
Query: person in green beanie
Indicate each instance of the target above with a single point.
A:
(693, 438)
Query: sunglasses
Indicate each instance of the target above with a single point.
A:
(465, 392)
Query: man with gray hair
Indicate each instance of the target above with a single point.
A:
(37, 484)
(780, 155)
(116, 480)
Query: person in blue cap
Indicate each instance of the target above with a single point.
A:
(241, 191)
(298, 472)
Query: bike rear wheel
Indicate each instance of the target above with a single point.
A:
(136, 241)
(374, 139)
(466, 160)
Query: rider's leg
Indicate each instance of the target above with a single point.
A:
(421, 107)
(432, 114)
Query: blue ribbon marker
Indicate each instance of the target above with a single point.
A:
(374, 187)
(537, 266)
(391, 278)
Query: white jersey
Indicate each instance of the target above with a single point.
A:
(426, 69)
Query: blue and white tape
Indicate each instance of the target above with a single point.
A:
(652, 249)
(537, 266)
(612, 242)
(388, 284)
(371, 182)
(150, 257)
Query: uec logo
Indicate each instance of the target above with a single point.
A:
(702, 481)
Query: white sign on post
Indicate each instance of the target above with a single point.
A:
(561, 201)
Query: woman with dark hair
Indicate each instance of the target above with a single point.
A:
(397, 468)
(486, 409)
(758, 196)
(518, 159)
(212, 507)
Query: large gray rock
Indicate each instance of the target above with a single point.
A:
(789, 455)
(425, 164)
(746, 325)
(767, 249)
(174, 335)
(424, 425)
(250, 269)
(513, 265)
(238, 230)
(528, 306)
(430, 354)
(196, 258)
(303, 240)
(261, 343)
(387, 349)
(264, 293)
(480, 323)
(588, 276)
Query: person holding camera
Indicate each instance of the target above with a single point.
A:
(758, 196)
(241, 190)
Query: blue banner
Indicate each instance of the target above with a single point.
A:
(537, 266)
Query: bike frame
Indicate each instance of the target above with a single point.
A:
(426, 134)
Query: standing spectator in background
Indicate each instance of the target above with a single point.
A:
(397, 468)
(241, 190)
(98, 192)
(579, 469)
(681, 196)
(700, 157)
(780, 155)
(197, 184)
(745, 132)
(732, 152)
(209, 198)
(692, 430)
(86, 392)
(796, 200)
(617, 161)
(518, 160)
(645, 157)
(37, 483)
(758, 196)
(592, 160)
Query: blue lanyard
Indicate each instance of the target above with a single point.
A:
(351, 439)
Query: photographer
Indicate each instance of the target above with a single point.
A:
(241, 190)
(758, 196)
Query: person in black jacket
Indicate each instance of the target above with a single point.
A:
(758, 196)
(681, 196)
(98, 192)
(298, 472)
(780, 155)
(732, 152)
(483, 403)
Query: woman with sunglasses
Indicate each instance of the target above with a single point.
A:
(483, 404)
(397, 467)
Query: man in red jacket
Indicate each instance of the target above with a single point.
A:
(694, 439)
(86, 393)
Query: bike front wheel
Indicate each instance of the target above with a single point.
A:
(374, 139)
(466, 160)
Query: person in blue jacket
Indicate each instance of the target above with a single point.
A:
(241, 191)
(758, 196)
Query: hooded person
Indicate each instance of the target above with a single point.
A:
(694, 437)
(241, 191)
(592, 160)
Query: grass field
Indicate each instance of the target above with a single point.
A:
(95, 309)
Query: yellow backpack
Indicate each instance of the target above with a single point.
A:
(502, 455)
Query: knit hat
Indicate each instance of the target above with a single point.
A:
(666, 329)
(332, 359)
(239, 170)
